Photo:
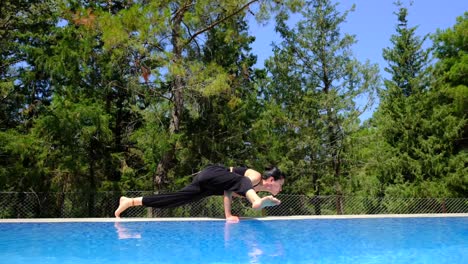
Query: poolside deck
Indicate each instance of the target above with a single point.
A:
(269, 218)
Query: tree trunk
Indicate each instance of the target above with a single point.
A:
(316, 200)
(92, 186)
(334, 145)
(168, 160)
(337, 172)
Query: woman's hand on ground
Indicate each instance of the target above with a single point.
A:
(232, 219)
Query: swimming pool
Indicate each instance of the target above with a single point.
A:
(376, 240)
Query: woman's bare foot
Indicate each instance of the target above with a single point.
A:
(124, 204)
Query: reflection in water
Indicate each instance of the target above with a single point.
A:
(262, 243)
(125, 233)
(248, 241)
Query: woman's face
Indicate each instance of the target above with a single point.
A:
(276, 186)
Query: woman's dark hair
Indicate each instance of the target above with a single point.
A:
(273, 172)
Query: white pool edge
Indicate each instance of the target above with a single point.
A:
(269, 218)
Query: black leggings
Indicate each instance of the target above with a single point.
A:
(196, 191)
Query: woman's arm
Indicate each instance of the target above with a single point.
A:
(254, 176)
(227, 200)
(259, 203)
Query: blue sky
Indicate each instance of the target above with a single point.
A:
(373, 22)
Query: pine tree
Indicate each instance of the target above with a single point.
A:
(182, 28)
(22, 27)
(452, 52)
(451, 91)
(224, 119)
(315, 80)
(24, 92)
(400, 105)
(417, 128)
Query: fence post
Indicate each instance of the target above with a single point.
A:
(339, 204)
(317, 202)
(444, 207)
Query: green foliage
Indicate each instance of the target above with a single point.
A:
(24, 90)
(221, 112)
(315, 80)
(417, 127)
(22, 165)
(139, 95)
(77, 133)
(452, 51)
(452, 93)
(406, 59)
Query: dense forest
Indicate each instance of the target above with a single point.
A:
(116, 95)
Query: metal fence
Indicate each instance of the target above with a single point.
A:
(103, 204)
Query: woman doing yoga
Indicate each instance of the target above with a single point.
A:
(217, 180)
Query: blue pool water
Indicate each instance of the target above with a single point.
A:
(383, 240)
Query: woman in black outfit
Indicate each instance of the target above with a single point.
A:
(217, 180)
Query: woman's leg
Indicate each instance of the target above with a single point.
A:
(188, 194)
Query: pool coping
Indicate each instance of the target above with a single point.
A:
(268, 218)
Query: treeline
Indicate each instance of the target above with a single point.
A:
(138, 95)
